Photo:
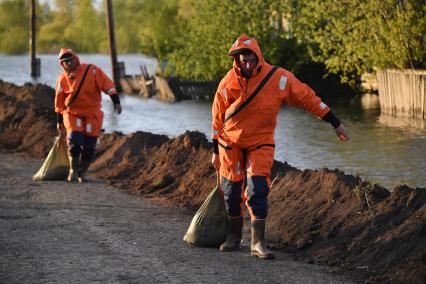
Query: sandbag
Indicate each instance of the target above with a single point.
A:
(56, 166)
(209, 225)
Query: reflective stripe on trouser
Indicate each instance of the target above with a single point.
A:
(257, 162)
(89, 124)
(81, 144)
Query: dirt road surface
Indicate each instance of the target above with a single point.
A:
(54, 232)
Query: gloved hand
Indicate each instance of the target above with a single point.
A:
(61, 130)
(341, 133)
(117, 108)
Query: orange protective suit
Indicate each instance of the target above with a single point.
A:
(84, 114)
(246, 140)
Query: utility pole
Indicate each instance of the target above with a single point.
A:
(35, 62)
(118, 71)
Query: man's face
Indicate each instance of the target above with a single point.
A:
(68, 64)
(248, 63)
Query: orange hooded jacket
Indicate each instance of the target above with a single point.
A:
(255, 124)
(89, 98)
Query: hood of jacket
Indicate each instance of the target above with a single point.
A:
(72, 53)
(242, 43)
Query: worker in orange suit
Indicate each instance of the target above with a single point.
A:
(244, 112)
(78, 107)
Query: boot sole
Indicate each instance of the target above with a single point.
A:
(237, 247)
(266, 257)
(229, 249)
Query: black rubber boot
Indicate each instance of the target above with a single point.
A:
(84, 166)
(234, 234)
(74, 168)
(258, 245)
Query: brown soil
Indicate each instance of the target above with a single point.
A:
(27, 119)
(321, 216)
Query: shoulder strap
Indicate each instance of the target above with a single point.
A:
(79, 86)
(255, 93)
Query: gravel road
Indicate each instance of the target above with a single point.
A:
(55, 232)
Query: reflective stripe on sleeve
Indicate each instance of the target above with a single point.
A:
(323, 105)
(111, 91)
(225, 94)
(283, 82)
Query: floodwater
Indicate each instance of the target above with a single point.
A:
(382, 149)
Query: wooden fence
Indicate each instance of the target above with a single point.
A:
(402, 92)
(193, 90)
(168, 89)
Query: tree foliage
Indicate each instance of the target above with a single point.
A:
(127, 20)
(353, 36)
(193, 36)
(160, 28)
(14, 21)
(52, 34)
(86, 29)
(212, 29)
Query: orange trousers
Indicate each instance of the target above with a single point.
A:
(255, 162)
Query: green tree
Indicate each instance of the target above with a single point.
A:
(128, 18)
(14, 22)
(212, 29)
(352, 36)
(52, 34)
(86, 30)
(160, 27)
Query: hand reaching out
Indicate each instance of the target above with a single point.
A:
(341, 133)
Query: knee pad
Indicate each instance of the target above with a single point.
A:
(75, 142)
(233, 200)
(257, 196)
(89, 147)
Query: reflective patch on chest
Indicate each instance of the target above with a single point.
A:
(283, 82)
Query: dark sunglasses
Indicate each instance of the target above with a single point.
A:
(66, 59)
(245, 52)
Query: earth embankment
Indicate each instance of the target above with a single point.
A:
(321, 216)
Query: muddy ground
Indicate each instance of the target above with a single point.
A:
(323, 217)
(55, 232)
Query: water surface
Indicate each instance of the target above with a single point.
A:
(382, 149)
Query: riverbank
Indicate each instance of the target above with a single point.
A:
(321, 216)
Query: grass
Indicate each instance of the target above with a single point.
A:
(163, 181)
(363, 193)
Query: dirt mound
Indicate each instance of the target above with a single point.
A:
(156, 166)
(322, 216)
(335, 219)
(27, 119)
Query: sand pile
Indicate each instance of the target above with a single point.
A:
(27, 119)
